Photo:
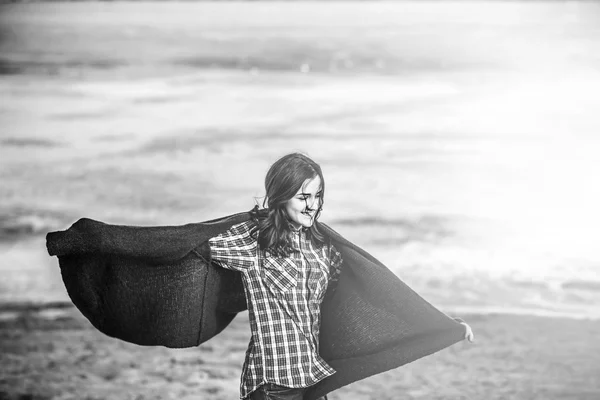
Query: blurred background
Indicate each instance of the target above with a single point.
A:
(459, 139)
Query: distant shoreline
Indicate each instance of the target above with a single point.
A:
(12, 310)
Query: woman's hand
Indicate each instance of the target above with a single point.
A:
(469, 332)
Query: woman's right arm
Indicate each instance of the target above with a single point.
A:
(235, 248)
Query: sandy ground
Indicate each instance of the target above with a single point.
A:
(57, 354)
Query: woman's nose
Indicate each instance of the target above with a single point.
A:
(311, 203)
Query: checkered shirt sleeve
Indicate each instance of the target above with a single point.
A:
(236, 248)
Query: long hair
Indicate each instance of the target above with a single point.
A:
(282, 182)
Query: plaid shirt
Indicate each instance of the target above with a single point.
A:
(284, 296)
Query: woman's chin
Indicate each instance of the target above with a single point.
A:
(303, 221)
(307, 222)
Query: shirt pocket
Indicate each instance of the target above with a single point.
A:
(280, 274)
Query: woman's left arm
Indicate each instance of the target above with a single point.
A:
(468, 331)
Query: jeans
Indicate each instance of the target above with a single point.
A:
(270, 391)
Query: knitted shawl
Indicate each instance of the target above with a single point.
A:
(157, 286)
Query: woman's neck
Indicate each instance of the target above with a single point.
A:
(295, 228)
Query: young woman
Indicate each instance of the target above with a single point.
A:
(372, 321)
(287, 266)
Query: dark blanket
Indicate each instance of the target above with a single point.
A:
(157, 286)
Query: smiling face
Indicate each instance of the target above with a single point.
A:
(302, 208)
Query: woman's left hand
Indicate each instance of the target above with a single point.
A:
(469, 332)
